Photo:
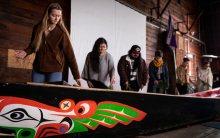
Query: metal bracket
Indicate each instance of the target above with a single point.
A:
(178, 26)
(188, 29)
(151, 11)
(165, 8)
(158, 7)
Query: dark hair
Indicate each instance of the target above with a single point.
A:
(95, 53)
(185, 59)
(159, 53)
(137, 62)
(205, 63)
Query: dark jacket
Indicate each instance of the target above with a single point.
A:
(54, 49)
(124, 71)
(153, 73)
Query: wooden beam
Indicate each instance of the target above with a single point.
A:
(193, 13)
(14, 37)
(2, 134)
(165, 8)
(196, 20)
(3, 61)
(214, 32)
(158, 10)
(9, 44)
(211, 13)
(187, 24)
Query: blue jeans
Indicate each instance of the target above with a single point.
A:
(41, 77)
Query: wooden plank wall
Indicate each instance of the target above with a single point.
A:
(178, 12)
(155, 36)
(215, 65)
(19, 17)
(211, 30)
(211, 26)
(17, 20)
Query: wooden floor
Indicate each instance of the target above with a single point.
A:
(193, 131)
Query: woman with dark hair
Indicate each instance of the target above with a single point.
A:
(204, 78)
(51, 42)
(183, 77)
(99, 70)
(158, 71)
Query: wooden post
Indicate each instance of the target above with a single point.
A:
(158, 10)
(171, 58)
(195, 20)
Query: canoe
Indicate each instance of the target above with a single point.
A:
(50, 110)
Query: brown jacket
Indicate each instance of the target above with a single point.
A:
(183, 75)
(124, 71)
(55, 48)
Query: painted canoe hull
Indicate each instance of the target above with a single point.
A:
(41, 111)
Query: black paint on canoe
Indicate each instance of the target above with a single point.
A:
(163, 111)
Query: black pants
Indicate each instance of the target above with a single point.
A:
(151, 87)
(133, 85)
(181, 88)
(98, 84)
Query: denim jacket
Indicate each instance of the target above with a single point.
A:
(153, 72)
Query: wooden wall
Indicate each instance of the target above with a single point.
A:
(155, 38)
(19, 17)
(17, 20)
(210, 23)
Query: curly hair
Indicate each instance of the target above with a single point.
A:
(137, 62)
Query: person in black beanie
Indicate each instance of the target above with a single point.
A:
(132, 69)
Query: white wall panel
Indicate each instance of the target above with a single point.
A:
(121, 26)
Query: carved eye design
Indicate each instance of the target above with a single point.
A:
(86, 108)
(18, 115)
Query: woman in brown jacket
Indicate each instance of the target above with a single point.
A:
(183, 76)
(51, 42)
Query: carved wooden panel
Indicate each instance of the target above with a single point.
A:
(26, 63)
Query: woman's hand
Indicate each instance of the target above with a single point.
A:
(156, 81)
(112, 80)
(21, 54)
(90, 84)
(79, 81)
(126, 83)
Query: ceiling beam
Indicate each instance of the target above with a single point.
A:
(158, 10)
(195, 19)
(165, 8)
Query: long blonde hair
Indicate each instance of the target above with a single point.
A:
(43, 24)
